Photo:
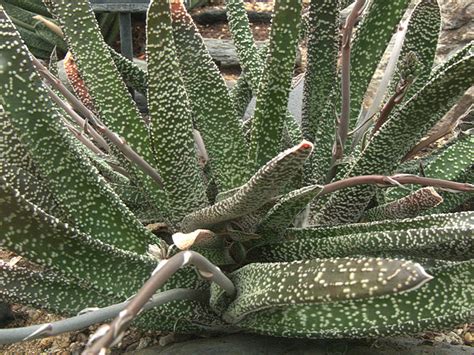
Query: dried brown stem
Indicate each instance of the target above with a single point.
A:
(396, 98)
(443, 131)
(400, 179)
(83, 139)
(119, 142)
(165, 269)
(343, 124)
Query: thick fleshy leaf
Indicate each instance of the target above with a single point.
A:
(453, 163)
(265, 184)
(44, 239)
(35, 6)
(320, 80)
(72, 180)
(131, 73)
(268, 286)
(422, 39)
(273, 225)
(396, 137)
(49, 290)
(111, 97)
(275, 84)
(369, 44)
(411, 205)
(213, 113)
(439, 220)
(252, 61)
(171, 121)
(449, 243)
(428, 308)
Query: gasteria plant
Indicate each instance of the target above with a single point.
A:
(79, 182)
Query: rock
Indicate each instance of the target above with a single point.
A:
(458, 26)
(248, 344)
(225, 55)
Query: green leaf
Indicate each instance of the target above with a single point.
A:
(321, 79)
(249, 56)
(449, 243)
(241, 95)
(265, 184)
(273, 225)
(131, 73)
(396, 137)
(252, 62)
(422, 39)
(93, 59)
(213, 113)
(453, 163)
(371, 40)
(440, 220)
(111, 97)
(441, 303)
(42, 238)
(49, 290)
(72, 180)
(262, 287)
(171, 120)
(35, 6)
(275, 84)
(411, 205)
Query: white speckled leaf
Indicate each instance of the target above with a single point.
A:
(49, 290)
(72, 179)
(171, 121)
(430, 307)
(279, 285)
(275, 83)
(265, 184)
(213, 113)
(406, 126)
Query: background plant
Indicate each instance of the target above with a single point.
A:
(78, 181)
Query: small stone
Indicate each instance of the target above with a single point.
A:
(132, 346)
(144, 342)
(45, 343)
(36, 315)
(81, 338)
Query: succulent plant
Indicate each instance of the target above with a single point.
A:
(298, 217)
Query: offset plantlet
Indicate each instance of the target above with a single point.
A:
(82, 174)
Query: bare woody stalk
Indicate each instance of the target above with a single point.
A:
(397, 180)
(105, 337)
(116, 140)
(443, 131)
(394, 100)
(93, 316)
(76, 104)
(343, 123)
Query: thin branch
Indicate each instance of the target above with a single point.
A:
(105, 337)
(443, 131)
(394, 100)
(76, 104)
(343, 124)
(119, 142)
(83, 139)
(400, 179)
(84, 320)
